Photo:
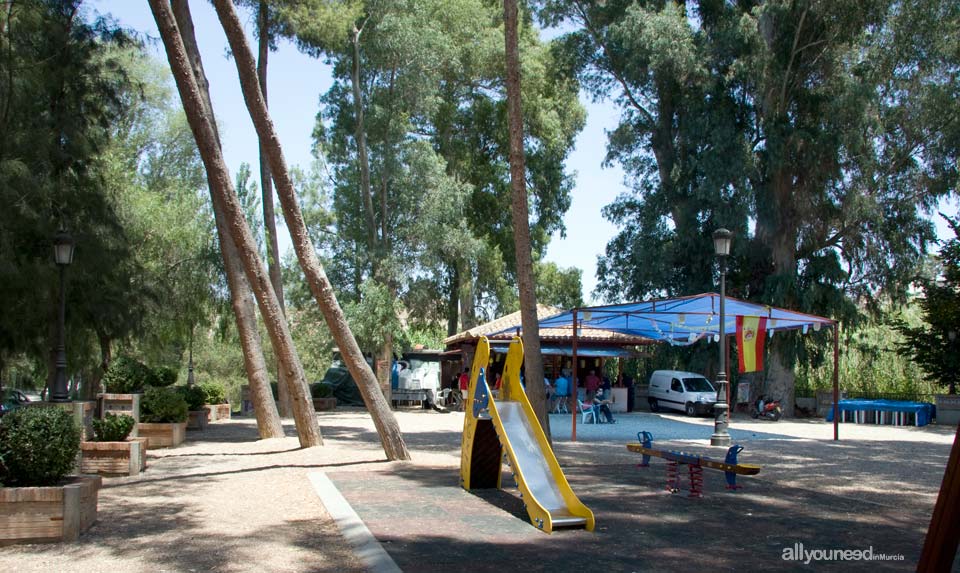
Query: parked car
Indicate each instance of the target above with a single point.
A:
(685, 391)
(11, 399)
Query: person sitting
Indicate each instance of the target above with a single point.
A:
(599, 407)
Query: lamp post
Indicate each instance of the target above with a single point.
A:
(190, 380)
(63, 255)
(720, 437)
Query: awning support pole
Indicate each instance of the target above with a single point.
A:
(836, 381)
(574, 408)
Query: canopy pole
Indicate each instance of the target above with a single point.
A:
(836, 381)
(574, 406)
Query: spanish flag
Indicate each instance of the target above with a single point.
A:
(751, 331)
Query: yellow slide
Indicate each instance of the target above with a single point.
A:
(506, 426)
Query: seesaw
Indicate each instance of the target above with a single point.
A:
(694, 463)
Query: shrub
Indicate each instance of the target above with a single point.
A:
(194, 395)
(113, 428)
(126, 376)
(163, 405)
(321, 390)
(38, 446)
(215, 393)
(162, 377)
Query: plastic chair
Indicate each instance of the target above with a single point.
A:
(587, 412)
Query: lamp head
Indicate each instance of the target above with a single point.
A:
(63, 248)
(721, 242)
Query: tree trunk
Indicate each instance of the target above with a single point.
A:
(266, 186)
(241, 297)
(385, 367)
(320, 286)
(780, 379)
(468, 310)
(453, 300)
(225, 198)
(532, 358)
(361, 137)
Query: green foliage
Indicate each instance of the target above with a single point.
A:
(113, 427)
(430, 219)
(126, 376)
(38, 446)
(213, 393)
(162, 376)
(194, 395)
(320, 390)
(163, 405)
(933, 345)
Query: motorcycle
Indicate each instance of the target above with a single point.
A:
(767, 409)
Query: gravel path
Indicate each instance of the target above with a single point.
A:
(225, 501)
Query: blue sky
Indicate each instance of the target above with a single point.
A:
(295, 82)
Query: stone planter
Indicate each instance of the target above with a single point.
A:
(322, 404)
(948, 409)
(197, 420)
(161, 435)
(113, 458)
(217, 412)
(128, 404)
(48, 514)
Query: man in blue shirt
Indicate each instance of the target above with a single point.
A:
(562, 385)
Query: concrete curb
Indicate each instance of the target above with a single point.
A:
(367, 547)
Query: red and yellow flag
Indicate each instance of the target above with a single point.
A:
(751, 331)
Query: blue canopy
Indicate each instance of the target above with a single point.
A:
(683, 320)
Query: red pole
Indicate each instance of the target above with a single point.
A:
(573, 381)
(836, 381)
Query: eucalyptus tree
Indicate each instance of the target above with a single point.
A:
(808, 122)
(225, 202)
(377, 404)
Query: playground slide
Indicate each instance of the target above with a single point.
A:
(507, 427)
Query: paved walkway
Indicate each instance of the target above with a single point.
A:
(227, 502)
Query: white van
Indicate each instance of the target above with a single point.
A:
(684, 391)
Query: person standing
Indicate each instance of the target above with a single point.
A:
(464, 383)
(562, 391)
(593, 382)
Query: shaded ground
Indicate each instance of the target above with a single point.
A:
(226, 502)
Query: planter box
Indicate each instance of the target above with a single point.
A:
(128, 404)
(113, 458)
(48, 514)
(163, 435)
(948, 409)
(322, 404)
(197, 420)
(217, 412)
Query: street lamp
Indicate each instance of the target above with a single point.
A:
(720, 437)
(190, 379)
(63, 255)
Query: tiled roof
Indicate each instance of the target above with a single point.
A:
(509, 321)
(512, 321)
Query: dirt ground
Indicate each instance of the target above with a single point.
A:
(227, 502)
